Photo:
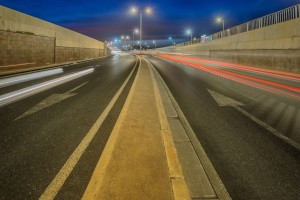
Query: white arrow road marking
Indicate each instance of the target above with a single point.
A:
(223, 100)
(226, 101)
(51, 100)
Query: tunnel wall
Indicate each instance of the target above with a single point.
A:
(276, 47)
(26, 39)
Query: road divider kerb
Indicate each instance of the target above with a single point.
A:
(179, 185)
(214, 178)
(58, 181)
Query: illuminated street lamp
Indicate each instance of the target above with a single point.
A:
(190, 32)
(154, 43)
(221, 20)
(134, 31)
(147, 11)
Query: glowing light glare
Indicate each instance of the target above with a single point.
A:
(122, 37)
(219, 19)
(127, 37)
(136, 30)
(133, 10)
(170, 38)
(189, 31)
(148, 10)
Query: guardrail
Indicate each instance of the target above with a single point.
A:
(290, 13)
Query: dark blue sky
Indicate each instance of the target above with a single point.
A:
(107, 19)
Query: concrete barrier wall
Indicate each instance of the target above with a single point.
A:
(276, 47)
(26, 39)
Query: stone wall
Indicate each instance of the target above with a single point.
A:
(26, 39)
(16, 48)
(63, 54)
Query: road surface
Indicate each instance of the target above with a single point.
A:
(252, 162)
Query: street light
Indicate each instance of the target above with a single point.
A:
(219, 20)
(133, 32)
(147, 11)
(154, 43)
(190, 32)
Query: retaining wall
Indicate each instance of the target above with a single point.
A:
(26, 39)
(275, 47)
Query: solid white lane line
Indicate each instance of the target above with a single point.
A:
(68, 167)
(27, 77)
(28, 91)
(268, 127)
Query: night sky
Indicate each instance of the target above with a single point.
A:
(108, 19)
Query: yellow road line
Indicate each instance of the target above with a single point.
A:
(99, 172)
(67, 168)
(179, 185)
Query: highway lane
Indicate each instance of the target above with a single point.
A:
(38, 134)
(264, 90)
(252, 162)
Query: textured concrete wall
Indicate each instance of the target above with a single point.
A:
(23, 37)
(16, 48)
(71, 53)
(276, 47)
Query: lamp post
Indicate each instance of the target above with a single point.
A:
(134, 31)
(190, 32)
(127, 39)
(219, 19)
(147, 11)
(154, 43)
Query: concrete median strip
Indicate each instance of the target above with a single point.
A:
(209, 185)
(139, 160)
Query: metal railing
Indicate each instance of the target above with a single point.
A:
(290, 13)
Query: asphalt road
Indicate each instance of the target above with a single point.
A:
(35, 145)
(252, 162)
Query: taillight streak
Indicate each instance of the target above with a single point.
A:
(248, 80)
(279, 74)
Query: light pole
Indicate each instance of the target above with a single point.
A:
(219, 19)
(127, 39)
(154, 44)
(134, 31)
(190, 32)
(147, 11)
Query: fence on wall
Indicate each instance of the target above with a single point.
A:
(290, 13)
